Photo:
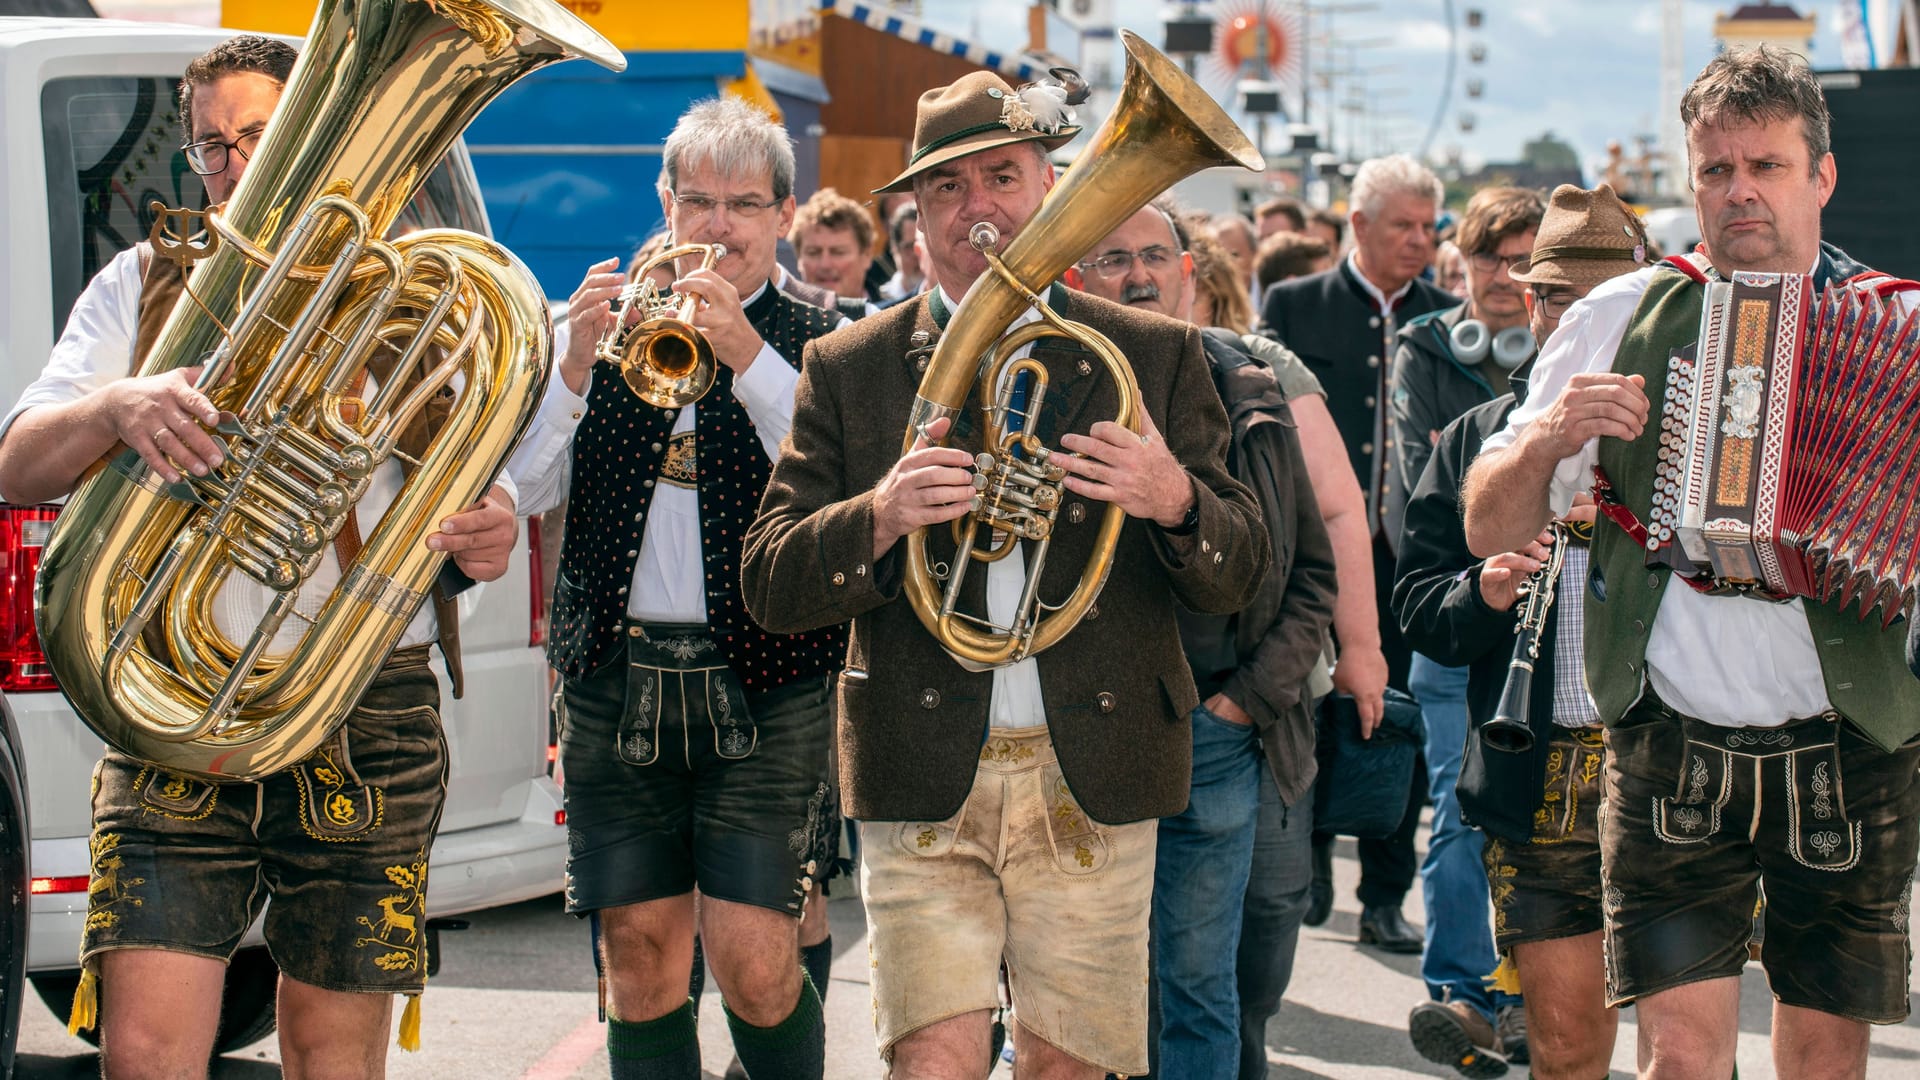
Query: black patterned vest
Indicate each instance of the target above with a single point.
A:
(619, 453)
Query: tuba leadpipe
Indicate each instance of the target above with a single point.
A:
(663, 357)
(294, 293)
(1163, 128)
(1509, 731)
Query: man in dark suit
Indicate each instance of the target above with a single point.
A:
(1342, 323)
(1006, 815)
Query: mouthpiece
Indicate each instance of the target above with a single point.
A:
(984, 237)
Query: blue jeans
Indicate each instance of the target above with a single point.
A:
(1204, 856)
(1278, 892)
(1459, 951)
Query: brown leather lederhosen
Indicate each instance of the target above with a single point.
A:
(161, 282)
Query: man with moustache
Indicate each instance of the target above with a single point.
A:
(1539, 809)
(695, 741)
(1444, 365)
(182, 867)
(1255, 667)
(1005, 815)
(1342, 324)
(1737, 730)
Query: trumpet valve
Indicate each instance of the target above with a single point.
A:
(1046, 498)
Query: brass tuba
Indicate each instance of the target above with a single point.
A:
(665, 359)
(294, 293)
(1162, 129)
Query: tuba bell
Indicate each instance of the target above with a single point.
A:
(664, 358)
(293, 293)
(1162, 129)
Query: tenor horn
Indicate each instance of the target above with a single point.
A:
(298, 294)
(1162, 128)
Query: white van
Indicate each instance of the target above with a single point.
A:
(87, 117)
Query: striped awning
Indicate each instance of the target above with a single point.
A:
(1015, 67)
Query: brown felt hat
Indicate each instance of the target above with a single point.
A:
(1585, 238)
(973, 113)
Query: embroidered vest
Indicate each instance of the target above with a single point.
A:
(161, 281)
(1864, 666)
(619, 453)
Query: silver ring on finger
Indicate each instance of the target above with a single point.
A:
(162, 431)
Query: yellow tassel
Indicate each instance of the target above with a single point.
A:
(86, 1003)
(410, 1024)
(1505, 978)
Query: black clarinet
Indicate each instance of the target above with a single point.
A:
(1509, 731)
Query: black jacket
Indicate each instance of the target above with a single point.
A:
(1262, 655)
(1431, 387)
(1330, 320)
(1436, 596)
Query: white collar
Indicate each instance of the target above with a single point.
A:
(1381, 301)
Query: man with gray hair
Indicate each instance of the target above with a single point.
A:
(658, 651)
(1342, 324)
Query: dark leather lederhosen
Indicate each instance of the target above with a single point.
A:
(618, 453)
(161, 282)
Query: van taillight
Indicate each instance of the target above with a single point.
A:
(23, 536)
(537, 584)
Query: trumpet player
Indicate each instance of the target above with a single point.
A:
(181, 866)
(1005, 815)
(695, 741)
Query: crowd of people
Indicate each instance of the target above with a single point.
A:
(1357, 443)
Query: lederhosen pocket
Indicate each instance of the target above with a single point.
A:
(1819, 834)
(335, 804)
(1692, 814)
(183, 798)
(1080, 847)
(681, 669)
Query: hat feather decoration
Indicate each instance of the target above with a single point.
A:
(1037, 107)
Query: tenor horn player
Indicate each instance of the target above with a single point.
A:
(339, 841)
(1005, 815)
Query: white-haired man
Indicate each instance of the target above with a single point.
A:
(1342, 324)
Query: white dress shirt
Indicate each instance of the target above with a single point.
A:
(1728, 660)
(96, 348)
(670, 575)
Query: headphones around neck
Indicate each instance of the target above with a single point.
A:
(1510, 347)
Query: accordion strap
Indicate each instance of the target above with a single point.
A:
(1609, 504)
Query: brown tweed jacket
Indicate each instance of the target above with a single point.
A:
(1117, 689)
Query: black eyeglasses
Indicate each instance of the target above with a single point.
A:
(1488, 261)
(209, 156)
(1554, 304)
(1116, 263)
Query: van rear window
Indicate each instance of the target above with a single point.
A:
(112, 147)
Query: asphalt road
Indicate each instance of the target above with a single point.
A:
(515, 999)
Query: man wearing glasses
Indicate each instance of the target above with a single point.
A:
(1446, 363)
(1232, 870)
(182, 867)
(694, 742)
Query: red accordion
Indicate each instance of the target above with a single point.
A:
(1789, 461)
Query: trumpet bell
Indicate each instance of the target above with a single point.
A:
(668, 363)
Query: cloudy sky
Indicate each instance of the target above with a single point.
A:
(1587, 70)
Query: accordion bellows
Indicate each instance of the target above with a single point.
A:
(1789, 462)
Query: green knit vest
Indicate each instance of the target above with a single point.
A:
(1864, 666)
